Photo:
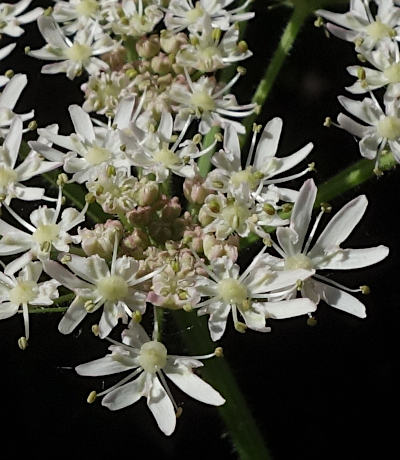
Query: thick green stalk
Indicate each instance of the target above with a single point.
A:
(352, 176)
(247, 439)
(299, 15)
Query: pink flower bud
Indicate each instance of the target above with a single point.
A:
(147, 47)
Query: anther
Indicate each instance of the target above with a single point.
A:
(269, 209)
(137, 316)
(319, 22)
(240, 327)
(365, 289)
(328, 122)
(241, 70)
(32, 125)
(178, 412)
(9, 73)
(311, 321)
(218, 137)
(197, 138)
(95, 329)
(89, 306)
(122, 147)
(361, 73)
(48, 11)
(66, 258)
(378, 172)
(62, 179)
(92, 397)
(326, 207)
(187, 307)
(299, 285)
(110, 170)
(90, 198)
(219, 352)
(22, 343)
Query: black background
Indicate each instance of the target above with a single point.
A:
(317, 393)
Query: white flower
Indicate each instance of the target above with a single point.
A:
(383, 129)
(114, 289)
(229, 174)
(11, 17)
(76, 14)
(326, 253)
(11, 175)
(74, 56)
(205, 100)
(44, 234)
(149, 360)
(250, 294)
(208, 52)
(360, 26)
(137, 20)
(96, 148)
(152, 151)
(8, 100)
(182, 14)
(23, 291)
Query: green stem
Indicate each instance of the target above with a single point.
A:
(204, 162)
(247, 438)
(300, 12)
(48, 310)
(352, 176)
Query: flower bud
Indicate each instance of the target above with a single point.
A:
(147, 193)
(101, 239)
(161, 64)
(140, 216)
(194, 190)
(171, 42)
(214, 248)
(135, 243)
(147, 47)
(171, 210)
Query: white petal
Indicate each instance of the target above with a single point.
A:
(340, 226)
(13, 140)
(12, 91)
(91, 268)
(82, 123)
(165, 127)
(356, 258)
(268, 144)
(287, 308)
(161, 407)
(103, 366)
(8, 309)
(51, 32)
(193, 385)
(64, 276)
(135, 336)
(125, 395)
(340, 299)
(302, 211)
(73, 316)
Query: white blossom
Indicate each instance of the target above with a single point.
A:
(250, 294)
(23, 291)
(8, 99)
(360, 26)
(73, 56)
(325, 254)
(148, 360)
(137, 20)
(11, 175)
(11, 17)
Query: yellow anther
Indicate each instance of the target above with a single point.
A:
(328, 122)
(365, 289)
(240, 327)
(90, 198)
(326, 207)
(311, 321)
(187, 307)
(95, 329)
(92, 397)
(219, 352)
(178, 412)
(137, 316)
(22, 343)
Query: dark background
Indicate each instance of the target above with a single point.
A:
(317, 393)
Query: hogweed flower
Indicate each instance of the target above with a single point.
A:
(11, 17)
(325, 254)
(148, 360)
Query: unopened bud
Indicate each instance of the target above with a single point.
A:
(147, 47)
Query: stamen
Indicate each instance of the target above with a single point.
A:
(166, 388)
(26, 319)
(254, 261)
(312, 233)
(253, 143)
(115, 251)
(285, 179)
(29, 227)
(58, 206)
(121, 382)
(188, 79)
(334, 283)
(235, 114)
(203, 265)
(227, 86)
(181, 135)
(156, 327)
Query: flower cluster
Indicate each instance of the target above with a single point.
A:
(373, 27)
(166, 232)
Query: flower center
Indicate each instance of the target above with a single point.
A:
(46, 232)
(153, 356)
(392, 73)
(96, 155)
(166, 157)
(389, 128)
(112, 288)
(235, 215)
(23, 292)
(78, 52)
(377, 30)
(244, 177)
(194, 14)
(298, 261)
(87, 7)
(7, 176)
(232, 291)
(203, 101)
